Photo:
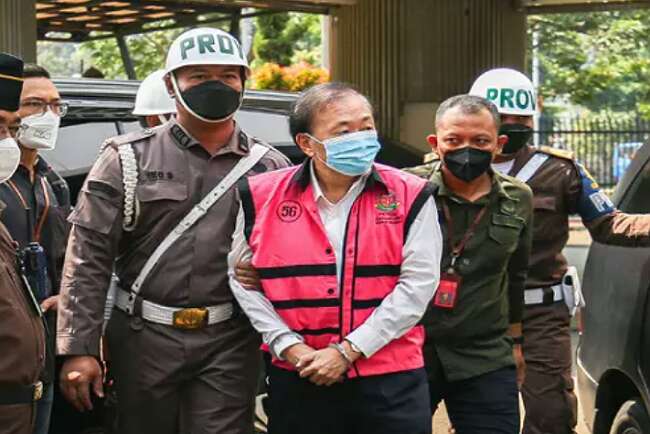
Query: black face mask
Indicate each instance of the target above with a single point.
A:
(518, 137)
(468, 163)
(212, 100)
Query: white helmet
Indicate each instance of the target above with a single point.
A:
(206, 46)
(152, 97)
(511, 91)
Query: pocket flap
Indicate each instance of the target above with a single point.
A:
(507, 220)
(162, 190)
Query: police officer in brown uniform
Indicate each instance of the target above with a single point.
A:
(22, 335)
(561, 187)
(158, 207)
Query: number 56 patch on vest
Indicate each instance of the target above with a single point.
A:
(289, 211)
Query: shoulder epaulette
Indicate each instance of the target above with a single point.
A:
(559, 153)
(431, 157)
(132, 137)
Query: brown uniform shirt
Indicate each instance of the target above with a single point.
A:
(175, 173)
(562, 187)
(22, 336)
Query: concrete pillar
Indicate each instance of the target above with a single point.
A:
(18, 28)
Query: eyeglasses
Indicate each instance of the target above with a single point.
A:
(36, 107)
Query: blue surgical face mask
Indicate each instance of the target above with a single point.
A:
(351, 154)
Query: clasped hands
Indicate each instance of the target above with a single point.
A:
(322, 367)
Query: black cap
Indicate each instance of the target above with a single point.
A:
(11, 82)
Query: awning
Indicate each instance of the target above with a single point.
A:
(550, 6)
(82, 20)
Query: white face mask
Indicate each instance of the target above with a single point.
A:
(9, 158)
(39, 131)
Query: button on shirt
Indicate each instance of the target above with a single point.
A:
(393, 318)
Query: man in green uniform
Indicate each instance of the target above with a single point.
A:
(473, 326)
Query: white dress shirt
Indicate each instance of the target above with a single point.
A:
(399, 311)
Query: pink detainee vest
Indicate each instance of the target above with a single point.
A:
(297, 264)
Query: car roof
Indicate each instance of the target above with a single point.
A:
(114, 99)
(100, 109)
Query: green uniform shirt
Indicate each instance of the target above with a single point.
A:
(471, 339)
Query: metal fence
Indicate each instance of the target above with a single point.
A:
(604, 145)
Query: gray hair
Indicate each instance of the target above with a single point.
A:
(468, 105)
(313, 100)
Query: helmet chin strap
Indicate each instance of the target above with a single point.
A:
(180, 98)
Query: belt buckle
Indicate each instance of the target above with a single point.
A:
(38, 391)
(191, 318)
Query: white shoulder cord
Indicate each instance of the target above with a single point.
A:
(130, 181)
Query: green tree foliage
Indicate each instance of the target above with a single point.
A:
(597, 60)
(287, 38)
(60, 59)
(148, 52)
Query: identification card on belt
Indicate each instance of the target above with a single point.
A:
(447, 292)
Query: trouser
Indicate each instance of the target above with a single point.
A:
(383, 404)
(17, 419)
(173, 381)
(548, 392)
(486, 404)
(44, 410)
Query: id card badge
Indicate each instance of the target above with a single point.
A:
(447, 292)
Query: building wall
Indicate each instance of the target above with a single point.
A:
(409, 55)
(18, 28)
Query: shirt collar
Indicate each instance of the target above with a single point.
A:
(355, 188)
(238, 143)
(303, 176)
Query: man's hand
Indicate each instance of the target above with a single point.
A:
(294, 353)
(50, 303)
(77, 375)
(518, 355)
(247, 275)
(324, 367)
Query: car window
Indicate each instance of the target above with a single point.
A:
(270, 127)
(637, 198)
(77, 147)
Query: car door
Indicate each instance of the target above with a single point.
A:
(616, 288)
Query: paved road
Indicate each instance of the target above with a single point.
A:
(441, 422)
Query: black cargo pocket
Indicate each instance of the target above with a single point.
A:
(505, 230)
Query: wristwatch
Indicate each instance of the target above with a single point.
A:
(354, 347)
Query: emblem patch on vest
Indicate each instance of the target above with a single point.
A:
(387, 203)
(289, 211)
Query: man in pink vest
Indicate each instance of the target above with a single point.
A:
(348, 254)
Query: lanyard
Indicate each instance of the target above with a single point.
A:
(458, 248)
(36, 234)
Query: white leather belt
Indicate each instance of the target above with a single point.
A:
(536, 295)
(184, 318)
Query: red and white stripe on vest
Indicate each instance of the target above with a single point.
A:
(297, 264)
